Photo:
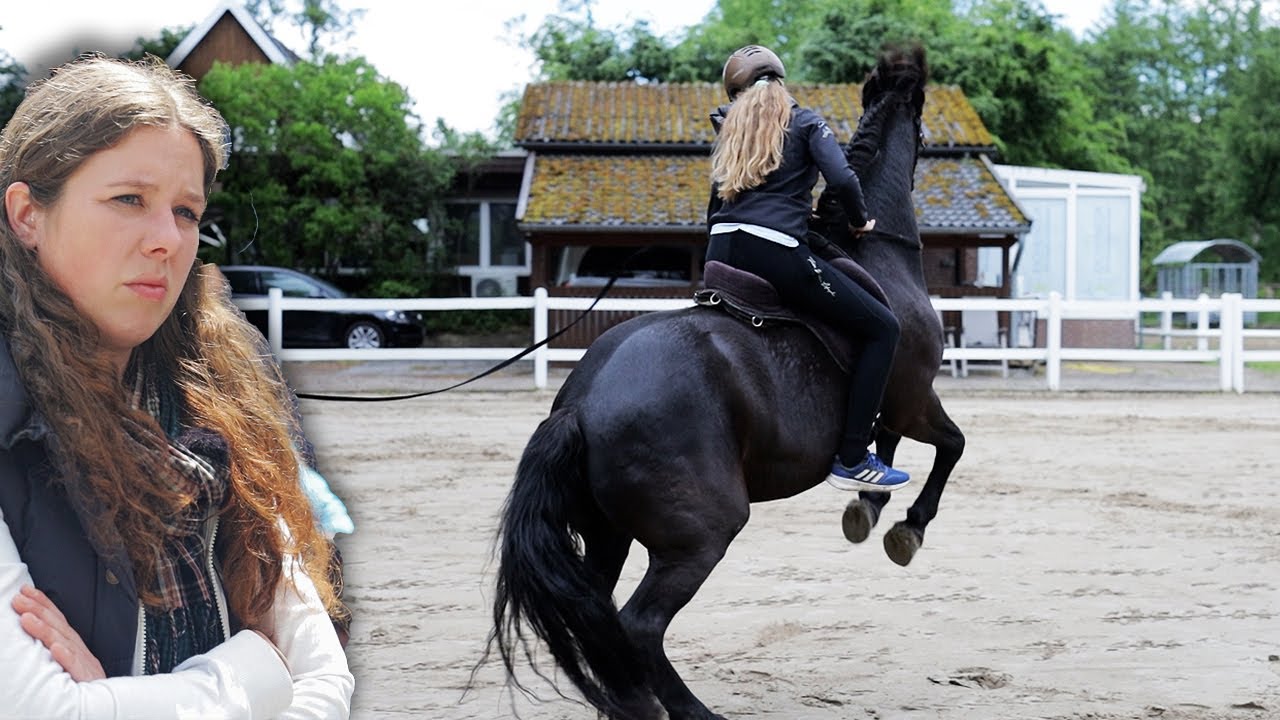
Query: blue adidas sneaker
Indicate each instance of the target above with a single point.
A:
(870, 474)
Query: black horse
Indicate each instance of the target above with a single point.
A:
(673, 423)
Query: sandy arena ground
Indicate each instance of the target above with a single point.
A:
(1097, 555)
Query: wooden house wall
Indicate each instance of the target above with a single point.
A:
(226, 42)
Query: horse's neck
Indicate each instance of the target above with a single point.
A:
(888, 182)
(887, 186)
(885, 257)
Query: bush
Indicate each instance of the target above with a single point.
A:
(476, 322)
(395, 289)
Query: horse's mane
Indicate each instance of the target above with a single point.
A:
(901, 73)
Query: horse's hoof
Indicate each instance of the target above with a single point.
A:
(858, 521)
(901, 543)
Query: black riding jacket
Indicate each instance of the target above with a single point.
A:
(784, 201)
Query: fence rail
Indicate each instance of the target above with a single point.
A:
(1224, 344)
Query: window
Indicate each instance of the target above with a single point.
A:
(506, 243)
(259, 280)
(484, 234)
(1102, 247)
(242, 282)
(1043, 267)
(640, 266)
(464, 233)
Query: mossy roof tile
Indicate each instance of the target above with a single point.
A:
(669, 191)
(593, 113)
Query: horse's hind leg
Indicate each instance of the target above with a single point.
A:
(691, 545)
(863, 512)
(668, 586)
(604, 553)
(934, 427)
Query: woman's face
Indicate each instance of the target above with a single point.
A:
(122, 237)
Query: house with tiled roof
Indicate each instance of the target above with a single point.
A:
(612, 167)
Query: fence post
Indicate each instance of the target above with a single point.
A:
(1233, 301)
(1053, 341)
(1226, 344)
(1202, 322)
(275, 320)
(540, 334)
(1166, 321)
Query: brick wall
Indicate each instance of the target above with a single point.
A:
(1091, 334)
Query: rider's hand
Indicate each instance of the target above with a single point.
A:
(42, 620)
(864, 229)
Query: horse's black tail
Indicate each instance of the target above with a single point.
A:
(544, 584)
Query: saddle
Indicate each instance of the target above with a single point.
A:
(753, 300)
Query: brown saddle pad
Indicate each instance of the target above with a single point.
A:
(753, 299)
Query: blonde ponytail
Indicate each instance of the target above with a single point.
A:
(750, 143)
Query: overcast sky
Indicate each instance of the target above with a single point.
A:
(457, 69)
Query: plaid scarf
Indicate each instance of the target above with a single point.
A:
(191, 623)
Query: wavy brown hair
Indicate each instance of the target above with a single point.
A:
(749, 145)
(226, 380)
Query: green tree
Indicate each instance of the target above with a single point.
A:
(1244, 176)
(571, 46)
(324, 23)
(843, 43)
(1026, 78)
(1167, 73)
(12, 86)
(161, 47)
(1023, 74)
(328, 170)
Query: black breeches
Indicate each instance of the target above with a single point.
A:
(807, 282)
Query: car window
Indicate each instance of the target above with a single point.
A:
(242, 282)
(291, 285)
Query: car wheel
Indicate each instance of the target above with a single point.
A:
(364, 335)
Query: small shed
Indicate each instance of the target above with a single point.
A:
(1213, 267)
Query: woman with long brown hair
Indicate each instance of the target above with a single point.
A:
(766, 161)
(153, 520)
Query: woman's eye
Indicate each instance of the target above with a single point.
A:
(188, 213)
(129, 199)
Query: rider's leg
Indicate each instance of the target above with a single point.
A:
(807, 282)
(841, 301)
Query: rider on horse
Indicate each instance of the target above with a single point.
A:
(767, 157)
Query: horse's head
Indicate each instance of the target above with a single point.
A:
(884, 148)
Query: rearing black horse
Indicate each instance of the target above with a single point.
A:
(674, 423)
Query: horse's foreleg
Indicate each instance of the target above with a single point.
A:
(905, 537)
(863, 512)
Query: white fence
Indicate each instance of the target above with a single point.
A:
(1224, 344)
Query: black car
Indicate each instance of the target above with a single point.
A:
(353, 329)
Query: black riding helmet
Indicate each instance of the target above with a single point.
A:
(747, 65)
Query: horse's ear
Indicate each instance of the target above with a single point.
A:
(871, 88)
(920, 58)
